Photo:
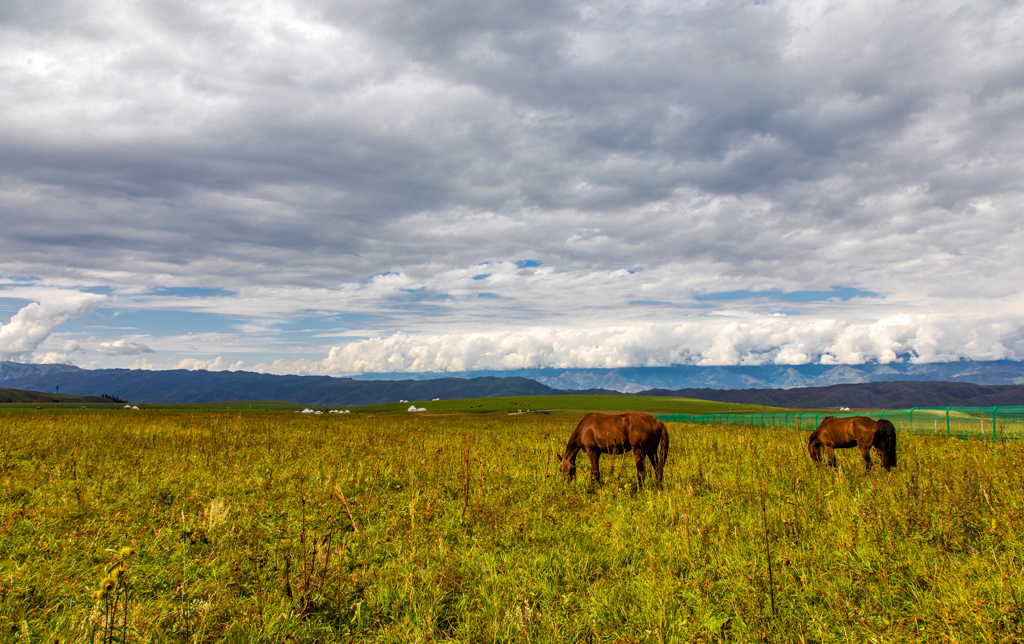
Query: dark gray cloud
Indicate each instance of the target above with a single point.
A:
(290, 151)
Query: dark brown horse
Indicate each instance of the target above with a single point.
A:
(856, 431)
(617, 434)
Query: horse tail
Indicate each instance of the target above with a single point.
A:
(885, 434)
(662, 453)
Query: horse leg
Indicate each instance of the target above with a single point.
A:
(865, 451)
(595, 470)
(830, 454)
(641, 472)
(653, 456)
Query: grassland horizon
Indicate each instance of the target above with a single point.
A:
(508, 404)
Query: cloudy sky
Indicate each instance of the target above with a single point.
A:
(394, 185)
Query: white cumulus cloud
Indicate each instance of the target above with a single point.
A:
(216, 364)
(123, 348)
(753, 341)
(32, 325)
(59, 357)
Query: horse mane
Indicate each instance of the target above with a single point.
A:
(886, 436)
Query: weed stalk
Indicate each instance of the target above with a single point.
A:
(768, 553)
(467, 442)
(341, 496)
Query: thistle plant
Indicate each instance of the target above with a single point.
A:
(112, 599)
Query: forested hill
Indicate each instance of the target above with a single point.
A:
(871, 395)
(21, 396)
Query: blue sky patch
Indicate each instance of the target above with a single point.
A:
(528, 263)
(843, 293)
(154, 322)
(481, 276)
(9, 306)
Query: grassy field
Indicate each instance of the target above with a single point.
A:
(608, 403)
(246, 527)
(615, 402)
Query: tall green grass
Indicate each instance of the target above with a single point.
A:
(416, 528)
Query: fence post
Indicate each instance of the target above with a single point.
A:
(947, 422)
(911, 420)
(994, 422)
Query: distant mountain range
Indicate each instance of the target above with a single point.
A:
(182, 386)
(638, 379)
(872, 395)
(861, 386)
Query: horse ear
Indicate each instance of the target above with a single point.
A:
(558, 457)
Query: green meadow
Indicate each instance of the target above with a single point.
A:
(508, 404)
(453, 525)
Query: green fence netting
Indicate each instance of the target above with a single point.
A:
(950, 422)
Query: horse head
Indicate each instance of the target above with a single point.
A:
(567, 467)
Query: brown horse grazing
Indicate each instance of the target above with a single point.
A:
(617, 434)
(857, 431)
